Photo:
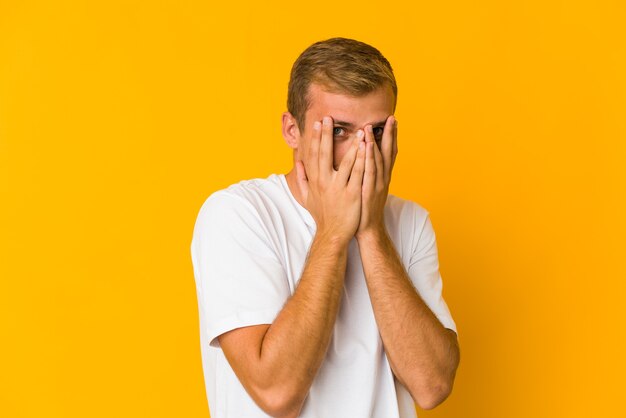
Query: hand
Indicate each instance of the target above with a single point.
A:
(377, 177)
(333, 197)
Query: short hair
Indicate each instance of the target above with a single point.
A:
(340, 65)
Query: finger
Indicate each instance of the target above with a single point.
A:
(369, 134)
(326, 149)
(378, 159)
(303, 182)
(395, 144)
(369, 178)
(356, 177)
(345, 168)
(387, 147)
(312, 163)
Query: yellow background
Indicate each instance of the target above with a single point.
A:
(119, 118)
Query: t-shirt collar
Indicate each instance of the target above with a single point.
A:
(306, 215)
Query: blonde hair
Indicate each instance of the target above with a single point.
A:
(340, 65)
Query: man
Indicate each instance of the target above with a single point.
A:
(319, 292)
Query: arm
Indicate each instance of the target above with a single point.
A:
(277, 364)
(422, 353)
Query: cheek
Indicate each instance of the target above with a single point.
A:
(339, 151)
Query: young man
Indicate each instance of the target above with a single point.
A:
(319, 292)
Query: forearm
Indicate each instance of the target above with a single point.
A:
(295, 344)
(422, 353)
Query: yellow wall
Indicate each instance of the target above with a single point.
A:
(118, 118)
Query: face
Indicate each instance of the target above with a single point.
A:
(349, 114)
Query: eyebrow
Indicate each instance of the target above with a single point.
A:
(352, 126)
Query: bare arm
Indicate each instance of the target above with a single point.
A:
(422, 353)
(277, 364)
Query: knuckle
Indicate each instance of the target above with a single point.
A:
(327, 124)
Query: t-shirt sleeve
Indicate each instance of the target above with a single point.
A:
(423, 269)
(239, 278)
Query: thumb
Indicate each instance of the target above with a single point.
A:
(303, 182)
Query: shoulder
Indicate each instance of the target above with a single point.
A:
(254, 189)
(405, 212)
(408, 224)
(243, 196)
(246, 202)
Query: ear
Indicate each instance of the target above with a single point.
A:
(291, 133)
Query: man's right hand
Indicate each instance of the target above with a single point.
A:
(333, 197)
(277, 363)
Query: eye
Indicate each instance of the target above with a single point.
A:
(335, 130)
(378, 131)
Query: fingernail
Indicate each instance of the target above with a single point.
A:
(359, 134)
(393, 119)
(369, 129)
(317, 125)
(326, 120)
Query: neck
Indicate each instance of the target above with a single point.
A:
(292, 182)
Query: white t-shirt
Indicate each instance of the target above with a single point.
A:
(248, 249)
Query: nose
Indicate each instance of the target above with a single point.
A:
(360, 131)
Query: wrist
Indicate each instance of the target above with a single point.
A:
(372, 235)
(332, 239)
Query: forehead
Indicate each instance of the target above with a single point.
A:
(374, 106)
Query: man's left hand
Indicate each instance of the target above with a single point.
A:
(378, 166)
